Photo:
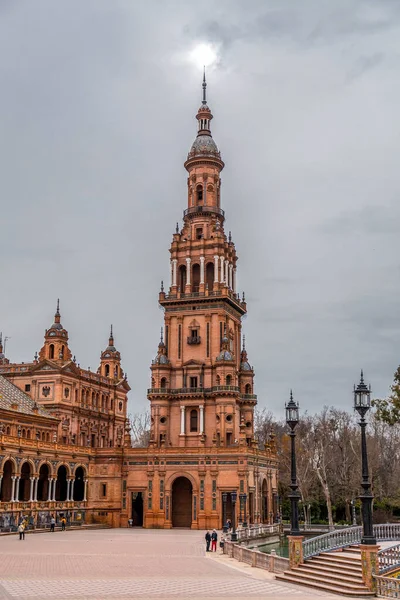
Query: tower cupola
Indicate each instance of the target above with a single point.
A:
(55, 346)
(110, 360)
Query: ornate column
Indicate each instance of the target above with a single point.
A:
(201, 408)
(36, 489)
(31, 489)
(202, 269)
(188, 273)
(227, 273)
(68, 489)
(85, 490)
(72, 490)
(54, 489)
(231, 276)
(17, 480)
(13, 478)
(1, 479)
(216, 265)
(49, 489)
(174, 263)
(182, 420)
(222, 269)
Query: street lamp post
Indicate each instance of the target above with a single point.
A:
(353, 511)
(233, 534)
(224, 499)
(292, 419)
(362, 404)
(244, 497)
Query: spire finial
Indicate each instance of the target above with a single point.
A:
(204, 101)
(244, 343)
(291, 395)
(162, 336)
(177, 228)
(111, 339)
(362, 376)
(57, 315)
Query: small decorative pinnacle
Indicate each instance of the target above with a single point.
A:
(35, 357)
(230, 237)
(243, 298)
(58, 306)
(177, 228)
(162, 285)
(74, 359)
(244, 343)
(291, 396)
(57, 315)
(204, 101)
(362, 376)
(162, 336)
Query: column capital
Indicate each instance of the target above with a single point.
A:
(202, 258)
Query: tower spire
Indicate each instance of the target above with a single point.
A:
(204, 101)
(1, 342)
(57, 316)
(111, 338)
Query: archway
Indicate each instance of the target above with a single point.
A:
(43, 484)
(182, 502)
(137, 509)
(24, 483)
(79, 484)
(210, 276)
(61, 484)
(264, 502)
(6, 483)
(195, 278)
(182, 278)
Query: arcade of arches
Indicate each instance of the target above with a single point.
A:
(27, 486)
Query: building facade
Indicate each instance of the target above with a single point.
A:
(202, 453)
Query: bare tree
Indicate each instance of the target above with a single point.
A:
(140, 429)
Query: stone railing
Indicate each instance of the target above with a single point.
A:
(255, 558)
(254, 531)
(387, 587)
(346, 537)
(389, 558)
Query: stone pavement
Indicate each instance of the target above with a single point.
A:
(116, 564)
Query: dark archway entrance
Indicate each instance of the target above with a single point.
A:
(264, 502)
(6, 483)
(79, 485)
(182, 502)
(43, 484)
(24, 483)
(137, 509)
(61, 484)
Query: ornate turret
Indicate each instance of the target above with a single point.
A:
(110, 360)
(55, 346)
(3, 359)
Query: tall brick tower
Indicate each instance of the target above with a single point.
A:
(202, 449)
(202, 390)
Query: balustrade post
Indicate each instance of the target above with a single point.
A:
(369, 565)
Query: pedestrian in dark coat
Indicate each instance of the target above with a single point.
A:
(208, 541)
(214, 539)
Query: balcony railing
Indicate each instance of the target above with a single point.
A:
(193, 340)
(196, 390)
(193, 210)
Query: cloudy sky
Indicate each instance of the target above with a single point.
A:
(97, 110)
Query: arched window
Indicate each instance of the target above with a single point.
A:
(199, 194)
(43, 436)
(210, 276)
(107, 370)
(28, 434)
(196, 278)
(51, 351)
(47, 437)
(247, 389)
(193, 420)
(8, 430)
(228, 380)
(23, 433)
(62, 353)
(182, 278)
(163, 383)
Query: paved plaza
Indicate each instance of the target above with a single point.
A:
(115, 564)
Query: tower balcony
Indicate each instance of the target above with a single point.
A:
(198, 390)
(180, 298)
(193, 340)
(203, 210)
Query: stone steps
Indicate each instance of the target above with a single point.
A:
(334, 572)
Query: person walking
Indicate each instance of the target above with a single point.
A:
(214, 539)
(63, 523)
(21, 531)
(52, 524)
(208, 541)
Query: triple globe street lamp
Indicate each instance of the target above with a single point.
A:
(292, 419)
